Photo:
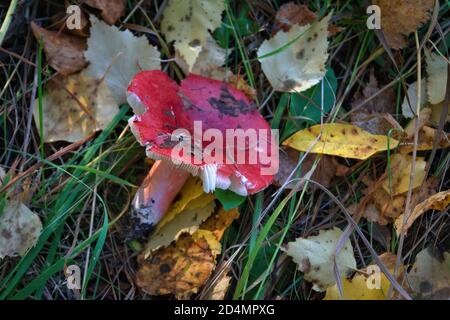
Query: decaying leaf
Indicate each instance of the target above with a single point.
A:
(440, 201)
(374, 114)
(291, 13)
(400, 18)
(363, 285)
(315, 257)
(437, 70)
(409, 107)
(384, 208)
(63, 52)
(219, 288)
(324, 174)
(436, 115)
(179, 269)
(187, 23)
(19, 229)
(400, 171)
(427, 137)
(111, 10)
(60, 21)
(75, 107)
(184, 266)
(429, 277)
(294, 61)
(117, 56)
(342, 140)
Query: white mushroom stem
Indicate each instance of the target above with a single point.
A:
(154, 196)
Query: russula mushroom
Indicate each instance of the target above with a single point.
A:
(178, 125)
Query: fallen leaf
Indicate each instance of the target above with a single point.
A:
(437, 112)
(183, 267)
(429, 277)
(179, 269)
(117, 56)
(186, 221)
(290, 14)
(400, 18)
(440, 201)
(409, 107)
(187, 23)
(426, 141)
(209, 60)
(315, 257)
(294, 61)
(361, 286)
(19, 229)
(437, 70)
(219, 288)
(111, 10)
(75, 107)
(400, 171)
(60, 21)
(64, 52)
(342, 140)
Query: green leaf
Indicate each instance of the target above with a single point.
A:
(307, 105)
(229, 199)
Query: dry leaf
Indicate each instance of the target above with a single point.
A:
(294, 61)
(315, 257)
(60, 22)
(111, 10)
(400, 171)
(219, 288)
(291, 13)
(64, 52)
(409, 107)
(426, 141)
(342, 140)
(179, 269)
(19, 229)
(400, 18)
(429, 277)
(440, 201)
(437, 70)
(74, 107)
(187, 23)
(117, 56)
(184, 266)
(359, 287)
(437, 112)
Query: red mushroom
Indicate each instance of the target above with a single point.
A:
(181, 127)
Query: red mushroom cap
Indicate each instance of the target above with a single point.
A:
(161, 107)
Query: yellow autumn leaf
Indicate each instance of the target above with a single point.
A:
(344, 140)
(364, 286)
(440, 201)
(399, 172)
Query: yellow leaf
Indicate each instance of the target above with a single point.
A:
(187, 23)
(342, 140)
(213, 243)
(426, 141)
(440, 201)
(400, 170)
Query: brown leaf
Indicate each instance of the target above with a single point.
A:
(291, 13)
(219, 222)
(324, 174)
(111, 10)
(402, 17)
(64, 52)
(59, 20)
(179, 269)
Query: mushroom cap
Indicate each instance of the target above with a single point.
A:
(161, 106)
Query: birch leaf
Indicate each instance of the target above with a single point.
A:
(294, 61)
(409, 107)
(75, 107)
(342, 140)
(315, 257)
(117, 56)
(19, 229)
(187, 23)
